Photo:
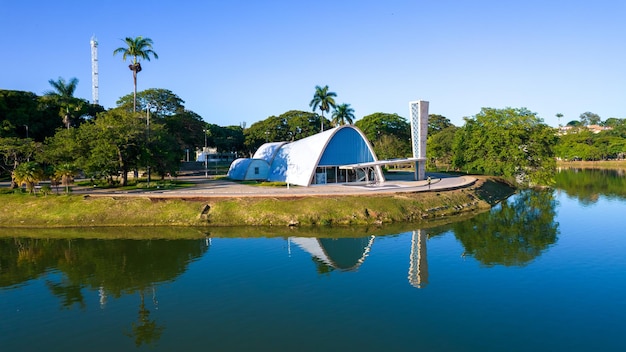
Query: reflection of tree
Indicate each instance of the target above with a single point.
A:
(513, 233)
(145, 331)
(113, 267)
(321, 267)
(68, 293)
(120, 266)
(587, 184)
(23, 259)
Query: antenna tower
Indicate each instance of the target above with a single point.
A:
(94, 69)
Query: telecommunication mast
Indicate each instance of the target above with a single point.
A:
(94, 69)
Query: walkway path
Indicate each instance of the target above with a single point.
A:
(210, 188)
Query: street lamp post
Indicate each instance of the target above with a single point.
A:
(206, 157)
(148, 140)
(28, 157)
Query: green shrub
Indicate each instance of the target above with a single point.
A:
(45, 190)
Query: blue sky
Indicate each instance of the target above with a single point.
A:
(236, 61)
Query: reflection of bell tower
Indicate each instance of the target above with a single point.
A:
(419, 133)
(418, 267)
(103, 297)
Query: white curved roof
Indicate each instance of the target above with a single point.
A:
(296, 162)
(248, 169)
(268, 151)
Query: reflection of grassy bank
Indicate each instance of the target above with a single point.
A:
(602, 164)
(200, 232)
(75, 211)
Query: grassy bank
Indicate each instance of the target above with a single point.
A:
(602, 164)
(77, 211)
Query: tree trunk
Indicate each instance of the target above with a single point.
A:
(135, 90)
(123, 167)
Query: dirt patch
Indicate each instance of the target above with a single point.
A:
(493, 190)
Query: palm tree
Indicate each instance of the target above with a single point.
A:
(62, 89)
(324, 100)
(558, 116)
(137, 48)
(63, 92)
(28, 173)
(343, 114)
(65, 173)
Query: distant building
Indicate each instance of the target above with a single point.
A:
(210, 154)
(593, 128)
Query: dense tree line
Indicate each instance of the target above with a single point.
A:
(582, 140)
(39, 139)
(515, 143)
(581, 143)
(56, 135)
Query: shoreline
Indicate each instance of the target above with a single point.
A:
(270, 207)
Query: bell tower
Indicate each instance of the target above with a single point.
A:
(419, 132)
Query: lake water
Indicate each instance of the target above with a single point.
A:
(544, 271)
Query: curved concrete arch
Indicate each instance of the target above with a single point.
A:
(297, 162)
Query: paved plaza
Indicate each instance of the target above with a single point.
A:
(218, 188)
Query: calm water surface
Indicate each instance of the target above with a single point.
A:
(541, 272)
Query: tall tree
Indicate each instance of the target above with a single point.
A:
(324, 100)
(289, 126)
(589, 118)
(71, 108)
(390, 134)
(379, 123)
(116, 142)
(137, 48)
(301, 124)
(614, 122)
(440, 151)
(513, 143)
(163, 102)
(14, 152)
(186, 127)
(559, 116)
(437, 123)
(64, 93)
(24, 114)
(391, 147)
(343, 113)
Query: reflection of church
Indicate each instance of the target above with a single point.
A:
(349, 253)
(338, 253)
